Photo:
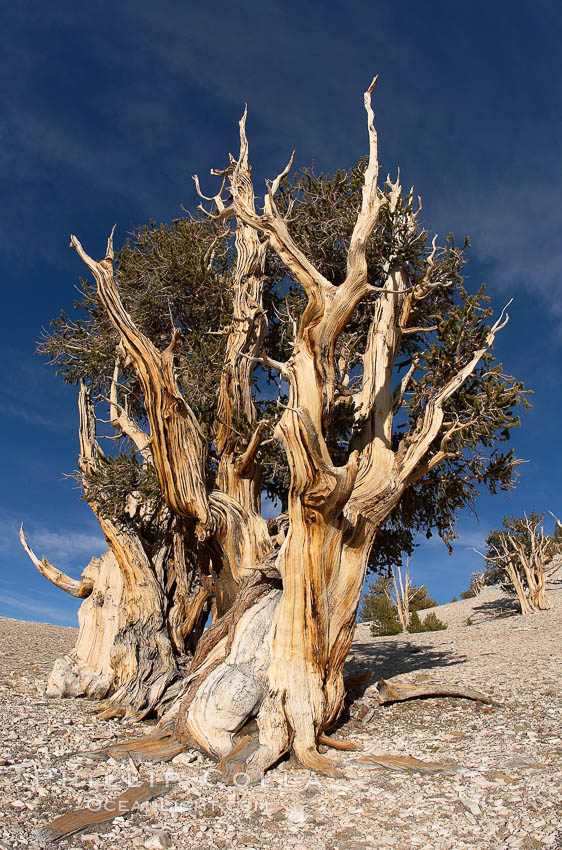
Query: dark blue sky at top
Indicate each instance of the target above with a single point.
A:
(108, 109)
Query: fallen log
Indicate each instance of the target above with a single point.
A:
(392, 691)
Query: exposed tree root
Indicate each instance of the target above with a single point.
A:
(339, 744)
(407, 763)
(232, 767)
(313, 760)
(81, 819)
(160, 747)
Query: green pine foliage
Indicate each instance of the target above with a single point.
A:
(421, 601)
(415, 624)
(431, 623)
(381, 588)
(179, 275)
(383, 619)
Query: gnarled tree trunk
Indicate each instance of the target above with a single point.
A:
(527, 560)
(282, 661)
(146, 601)
(284, 605)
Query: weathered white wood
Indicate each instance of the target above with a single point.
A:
(333, 513)
(76, 587)
(274, 656)
(87, 670)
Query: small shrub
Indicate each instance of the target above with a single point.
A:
(454, 599)
(384, 620)
(468, 594)
(415, 624)
(469, 621)
(431, 624)
(421, 599)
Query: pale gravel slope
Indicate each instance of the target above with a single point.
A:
(503, 790)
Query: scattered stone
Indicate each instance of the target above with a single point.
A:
(297, 816)
(503, 795)
(184, 759)
(159, 841)
(471, 805)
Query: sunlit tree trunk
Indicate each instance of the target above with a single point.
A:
(284, 605)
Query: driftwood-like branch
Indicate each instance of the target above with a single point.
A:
(239, 473)
(178, 445)
(317, 287)
(85, 818)
(162, 746)
(90, 449)
(401, 389)
(441, 454)
(356, 285)
(272, 224)
(407, 764)
(246, 460)
(249, 322)
(392, 691)
(81, 588)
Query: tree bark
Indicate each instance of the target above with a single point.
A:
(270, 668)
(146, 601)
(282, 661)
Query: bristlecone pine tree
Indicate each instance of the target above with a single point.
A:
(401, 596)
(321, 352)
(523, 556)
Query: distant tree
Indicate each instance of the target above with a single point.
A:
(408, 597)
(383, 618)
(477, 583)
(431, 623)
(523, 556)
(402, 596)
(381, 588)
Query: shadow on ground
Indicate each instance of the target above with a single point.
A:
(385, 660)
(496, 608)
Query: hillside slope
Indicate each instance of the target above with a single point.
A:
(498, 786)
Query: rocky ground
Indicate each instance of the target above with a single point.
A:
(499, 785)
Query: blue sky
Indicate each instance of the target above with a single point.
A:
(108, 109)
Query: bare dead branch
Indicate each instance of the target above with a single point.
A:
(178, 445)
(120, 419)
(433, 416)
(400, 391)
(393, 691)
(245, 461)
(81, 588)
